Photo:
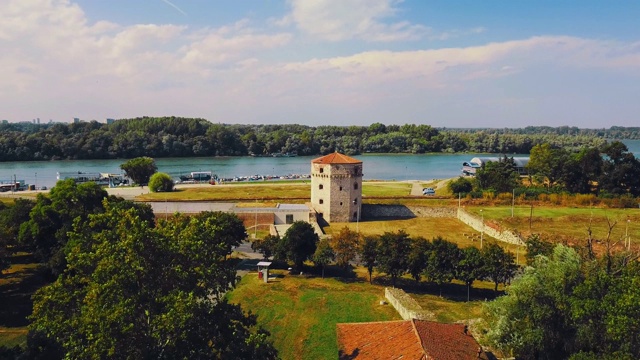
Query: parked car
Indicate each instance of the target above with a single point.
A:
(428, 191)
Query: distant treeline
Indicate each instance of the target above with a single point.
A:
(185, 137)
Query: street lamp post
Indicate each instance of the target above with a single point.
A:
(355, 202)
(482, 233)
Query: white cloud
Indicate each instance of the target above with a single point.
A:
(57, 64)
(337, 20)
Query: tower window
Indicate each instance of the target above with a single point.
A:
(340, 188)
(321, 201)
(355, 201)
(340, 203)
(321, 170)
(321, 186)
(355, 186)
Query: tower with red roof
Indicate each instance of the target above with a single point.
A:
(336, 187)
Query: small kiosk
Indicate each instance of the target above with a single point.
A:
(263, 270)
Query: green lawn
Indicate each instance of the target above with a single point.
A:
(566, 223)
(386, 189)
(248, 192)
(449, 228)
(302, 312)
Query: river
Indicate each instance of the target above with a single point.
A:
(375, 166)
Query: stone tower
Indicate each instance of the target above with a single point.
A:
(336, 187)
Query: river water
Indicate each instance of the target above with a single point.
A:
(375, 166)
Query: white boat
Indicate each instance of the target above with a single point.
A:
(104, 179)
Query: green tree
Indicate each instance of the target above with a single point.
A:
(620, 171)
(139, 169)
(582, 171)
(52, 218)
(499, 265)
(267, 246)
(547, 163)
(533, 320)
(135, 291)
(368, 252)
(461, 185)
(324, 255)
(537, 246)
(418, 257)
(442, 258)
(299, 243)
(498, 176)
(605, 310)
(11, 217)
(160, 182)
(345, 246)
(393, 254)
(470, 267)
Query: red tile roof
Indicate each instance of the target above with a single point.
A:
(379, 340)
(407, 339)
(336, 158)
(447, 341)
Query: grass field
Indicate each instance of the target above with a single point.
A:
(302, 312)
(566, 223)
(290, 192)
(449, 228)
(386, 189)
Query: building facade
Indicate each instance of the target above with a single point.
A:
(336, 187)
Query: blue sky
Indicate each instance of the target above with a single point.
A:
(316, 62)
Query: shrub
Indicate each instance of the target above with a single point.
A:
(160, 182)
(460, 185)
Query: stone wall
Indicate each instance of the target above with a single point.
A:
(402, 211)
(406, 306)
(507, 236)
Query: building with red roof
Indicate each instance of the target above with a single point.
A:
(407, 339)
(336, 187)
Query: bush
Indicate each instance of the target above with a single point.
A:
(160, 182)
(460, 185)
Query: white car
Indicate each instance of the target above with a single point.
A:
(428, 191)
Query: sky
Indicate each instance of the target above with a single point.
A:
(444, 63)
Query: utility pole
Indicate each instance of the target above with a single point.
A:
(482, 233)
(627, 241)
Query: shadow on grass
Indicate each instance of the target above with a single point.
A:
(15, 296)
(448, 291)
(23, 259)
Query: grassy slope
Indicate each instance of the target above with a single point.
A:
(566, 223)
(301, 313)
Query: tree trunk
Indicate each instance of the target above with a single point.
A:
(496, 287)
(370, 272)
(468, 290)
(323, 271)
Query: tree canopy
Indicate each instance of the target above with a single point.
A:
(160, 137)
(140, 169)
(135, 290)
(299, 243)
(160, 182)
